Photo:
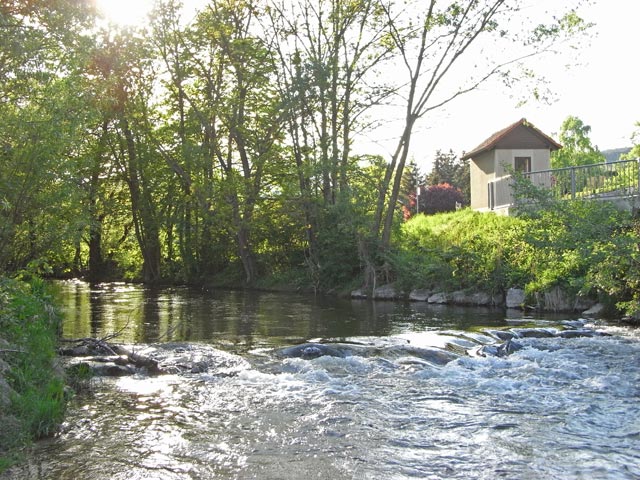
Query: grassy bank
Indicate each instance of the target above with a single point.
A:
(31, 388)
(587, 248)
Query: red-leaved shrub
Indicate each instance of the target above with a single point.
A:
(440, 198)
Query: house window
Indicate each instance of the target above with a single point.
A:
(522, 164)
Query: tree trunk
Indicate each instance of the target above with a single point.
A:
(147, 230)
(397, 183)
(96, 261)
(246, 256)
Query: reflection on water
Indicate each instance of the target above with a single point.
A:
(559, 408)
(244, 319)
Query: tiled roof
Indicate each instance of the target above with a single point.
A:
(493, 140)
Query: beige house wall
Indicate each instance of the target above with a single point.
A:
(481, 172)
(495, 164)
(540, 159)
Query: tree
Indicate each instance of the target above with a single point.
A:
(226, 144)
(41, 123)
(447, 168)
(329, 54)
(121, 70)
(226, 114)
(433, 41)
(411, 181)
(576, 145)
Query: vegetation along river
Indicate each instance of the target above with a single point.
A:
(377, 391)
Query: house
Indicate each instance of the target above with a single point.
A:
(518, 147)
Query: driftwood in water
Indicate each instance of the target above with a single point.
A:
(113, 359)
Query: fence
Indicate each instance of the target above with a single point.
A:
(619, 179)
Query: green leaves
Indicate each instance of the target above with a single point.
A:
(635, 151)
(191, 148)
(576, 145)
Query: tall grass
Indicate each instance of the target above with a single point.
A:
(28, 328)
(462, 250)
(585, 247)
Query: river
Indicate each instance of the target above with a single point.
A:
(557, 408)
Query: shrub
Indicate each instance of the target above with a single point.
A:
(614, 271)
(440, 198)
(585, 247)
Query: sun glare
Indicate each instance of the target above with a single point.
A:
(125, 12)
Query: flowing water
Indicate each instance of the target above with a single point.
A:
(558, 408)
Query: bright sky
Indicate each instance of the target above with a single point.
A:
(603, 91)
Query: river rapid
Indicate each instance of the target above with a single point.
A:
(560, 407)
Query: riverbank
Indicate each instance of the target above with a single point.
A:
(32, 399)
(237, 407)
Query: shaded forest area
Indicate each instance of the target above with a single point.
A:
(226, 148)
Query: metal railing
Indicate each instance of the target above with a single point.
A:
(618, 179)
(501, 192)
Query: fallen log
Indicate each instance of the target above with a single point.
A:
(96, 350)
(140, 361)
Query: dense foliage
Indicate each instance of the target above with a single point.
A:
(223, 148)
(588, 248)
(577, 148)
(635, 150)
(31, 390)
(440, 198)
(448, 168)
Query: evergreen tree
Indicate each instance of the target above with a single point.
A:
(447, 168)
(411, 181)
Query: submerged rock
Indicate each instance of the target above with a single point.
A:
(534, 332)
(195, 358)
(311, 350)
(433, 355)
(165, 358)
(508, 347)
(502, 350)
(577, 333)
(501, 334)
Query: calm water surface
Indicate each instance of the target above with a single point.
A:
(557, 408)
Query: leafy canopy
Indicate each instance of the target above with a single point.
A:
(577, 148)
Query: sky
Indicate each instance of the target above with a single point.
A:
(603, 90)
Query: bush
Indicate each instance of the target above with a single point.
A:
(440, 198)
(614, 272)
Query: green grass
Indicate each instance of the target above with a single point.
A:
(28, 327)
(462, 250)
(586, 248)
